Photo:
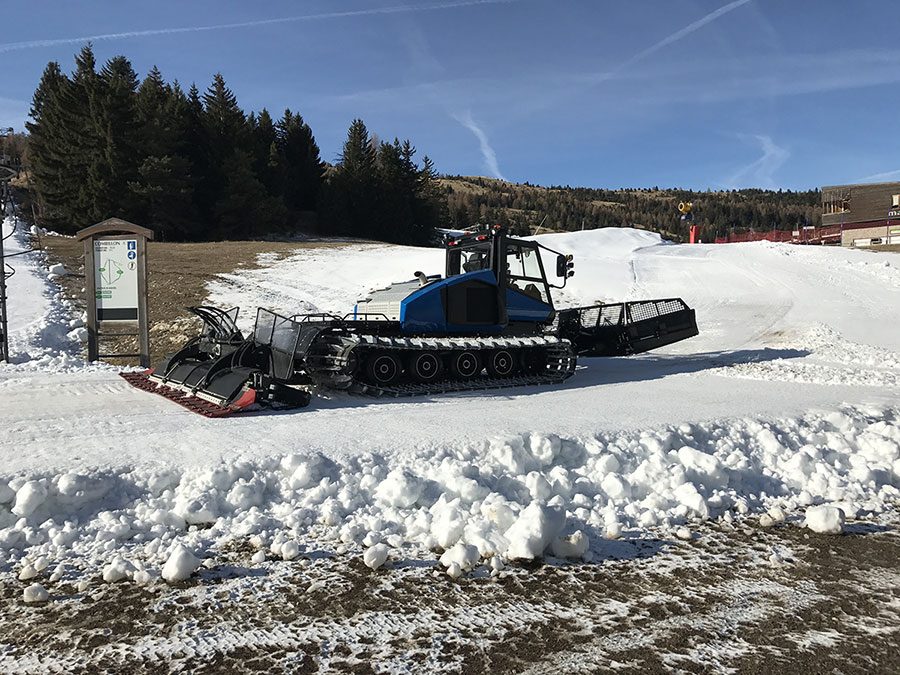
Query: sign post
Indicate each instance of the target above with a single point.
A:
(115, 270)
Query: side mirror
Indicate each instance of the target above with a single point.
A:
(563, 265)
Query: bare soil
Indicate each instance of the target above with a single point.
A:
(718, 603)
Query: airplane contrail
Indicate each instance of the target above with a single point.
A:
(487, 151)
(396, 9)
(684, 32)
(666, 41)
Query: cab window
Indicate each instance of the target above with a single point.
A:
(469, 259)
(524, 272)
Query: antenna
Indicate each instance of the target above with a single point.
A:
(538, 228)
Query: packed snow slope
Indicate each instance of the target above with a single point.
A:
(788, 399)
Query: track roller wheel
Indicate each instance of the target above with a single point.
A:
(501, 363)
(383, 368)
(424, 366)
(465, 365)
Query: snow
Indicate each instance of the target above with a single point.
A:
(120, 569)
(469, 502)
(825, 519)
(39, 316)
(28, 497)
(535, 528)
(778, 410)
(35, 593)
(375, 556)
(573, 546)
(400, 489)
(289, 550)
(464, 556)
(181, 564)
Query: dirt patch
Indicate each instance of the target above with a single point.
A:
(178, 273)
(741, 599)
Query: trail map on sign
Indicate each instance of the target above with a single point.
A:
(116, 279)
(110, 272)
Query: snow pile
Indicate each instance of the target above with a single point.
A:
(821, 355)
(534, 530)
(509, 498)
(43, 335)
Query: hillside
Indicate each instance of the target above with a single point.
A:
(524, 206)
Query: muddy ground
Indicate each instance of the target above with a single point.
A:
(735, 599)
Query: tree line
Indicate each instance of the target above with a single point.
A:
(524, 207)
(194, 166)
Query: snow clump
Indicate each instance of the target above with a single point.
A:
(375, 556)
(28, 497)
(825, 519)
(533, 531)
(181, 564)
(35, 593)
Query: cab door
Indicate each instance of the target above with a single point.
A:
(528, 297)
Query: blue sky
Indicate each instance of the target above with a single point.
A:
(689, 93)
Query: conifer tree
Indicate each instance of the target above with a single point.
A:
(55, 187)
(84, 144)
(227, 143)
(303, 167)
(266, 163)
(430, 209)
(352, 200)
(117, 125)
(197, 152)
(163, 189)
(394, 217)
(151, 105)
(245, 210)
(224, 121)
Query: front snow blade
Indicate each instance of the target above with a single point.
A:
(202, 406)
(219, 372)
(627, 328)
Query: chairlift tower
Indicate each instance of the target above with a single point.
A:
(6, 271)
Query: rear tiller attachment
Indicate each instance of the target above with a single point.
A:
(625, 328)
